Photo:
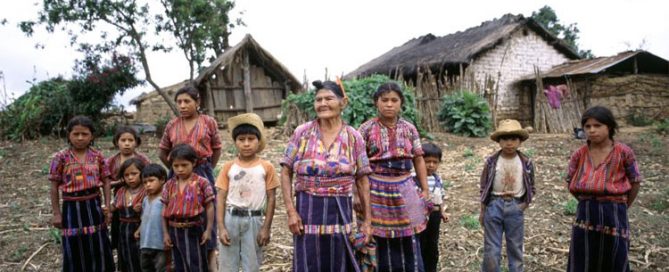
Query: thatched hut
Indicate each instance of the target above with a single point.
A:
(488, 59)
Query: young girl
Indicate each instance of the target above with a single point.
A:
(127, 204)
(78, 172)
(126, 139)
(604, 176)
(186, 198)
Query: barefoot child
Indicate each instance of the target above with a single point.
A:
(127, 204)
(429, 238)
(78, 172)
(150, 233)
(245, 185)
(507, 187)
(188, 212)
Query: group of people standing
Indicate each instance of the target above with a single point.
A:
(366, 199)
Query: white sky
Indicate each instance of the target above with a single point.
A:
(340, 35)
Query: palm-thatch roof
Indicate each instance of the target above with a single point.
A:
(457, 48)
(257, 55)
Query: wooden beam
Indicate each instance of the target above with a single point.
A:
(210, 99)
(248, 97)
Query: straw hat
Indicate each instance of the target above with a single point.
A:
(509, 127)
(250, 119)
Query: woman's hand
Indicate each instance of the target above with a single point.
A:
(367, 229)
(425, 195)
(295, 223)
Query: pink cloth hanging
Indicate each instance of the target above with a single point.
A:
(553, 95)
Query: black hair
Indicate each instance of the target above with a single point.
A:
(329, 85)
(389, 86)
(126, 129)
(154, 170)
(432, 150)
(80, 120)
(183, 152)
(190, 91)
(602, 115)
(509, 137)
(245, 129)
(127, 163)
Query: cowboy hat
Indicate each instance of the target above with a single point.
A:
(249, 119)
(509, 127)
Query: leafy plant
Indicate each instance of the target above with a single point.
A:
(470, 221)
(662, 127)
(569, 207)
(465, 113)
(638, 119)
(530, 152)
(160, 124)
(468, 153)
(54, 233)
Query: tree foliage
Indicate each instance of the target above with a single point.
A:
(569, 32)
(465, 113)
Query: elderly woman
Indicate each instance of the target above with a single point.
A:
(327, 158)
(398, 211)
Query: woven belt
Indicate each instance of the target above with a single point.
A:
(605, 198)
(181, 225)
(81, 198)
(129, 220)
(244, 212)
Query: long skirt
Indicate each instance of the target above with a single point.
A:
(324, 246)
(85, 240)
(187, 253)
(128, 247)
(399, 254)
(600, 237)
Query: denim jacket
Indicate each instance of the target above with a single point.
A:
(488, 177)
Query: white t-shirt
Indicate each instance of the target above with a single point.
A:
(509, 177)
(247, 185)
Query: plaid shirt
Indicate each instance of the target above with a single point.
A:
(488, 177)
(189, 203)
(73, 175)
(203, 137)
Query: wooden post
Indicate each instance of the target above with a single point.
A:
(210, 100)
(247, 82)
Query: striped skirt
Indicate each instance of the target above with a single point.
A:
(600, 237)
(397, 208)
(187, 253)
(85, 240)
(324, 246)
(128, 247)
(399, 254)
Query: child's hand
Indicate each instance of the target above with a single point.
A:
(137, 208)
(223, 236)
(205, 237)
(263, 237)
(57, 221)
(136, 234)
(108, 218)
(167, 242)
(425, 195)
(444, 216)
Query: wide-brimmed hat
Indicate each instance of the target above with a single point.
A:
(509, 127)
(249, 119)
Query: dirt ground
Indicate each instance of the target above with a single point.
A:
(28, 242)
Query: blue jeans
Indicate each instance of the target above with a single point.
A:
(503, 216)
(243, 249)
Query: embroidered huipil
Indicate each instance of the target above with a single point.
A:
(203, 137)
(74, 175)
(126, 207)
(114, 163)
(391, 150)
(188, 203)
(323, 171)
(612, 177)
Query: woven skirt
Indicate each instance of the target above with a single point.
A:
(397, 208)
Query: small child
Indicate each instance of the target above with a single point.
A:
(150, 232)
(188, 212)
(245, 185)
(507, 187)
(429, 238)
(127, 204)
(78, 172)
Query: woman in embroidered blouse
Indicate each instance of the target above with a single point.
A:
(604, 176)
(327, 158)
(398, 211)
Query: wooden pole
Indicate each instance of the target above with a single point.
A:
(247, 83)
(210, 99)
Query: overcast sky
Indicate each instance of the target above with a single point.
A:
(340, 35)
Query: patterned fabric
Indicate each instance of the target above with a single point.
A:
(203, 137)
(73, 175)
(600, 237)
(128, 246)
(397, 208)
(188, 203)
(613, 177)
(114, 163)
(399, 254)
(391, 150)
(187, 253)
(488, 177)
(326, 171)
(323, 246)
(121, 201)
(249, 186)
(84, 236)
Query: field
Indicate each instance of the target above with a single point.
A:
(29, 243)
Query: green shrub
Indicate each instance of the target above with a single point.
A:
(638, 120)
(662, 127)
(465, 113)
(160, 124)
(569, 207)
(470, 221)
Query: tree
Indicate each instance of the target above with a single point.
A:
(131, 23)
(568, 33)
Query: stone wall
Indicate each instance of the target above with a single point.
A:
(510, 61)
(152, 108)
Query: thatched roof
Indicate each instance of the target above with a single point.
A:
(624, 63)
(460, 47)
(258, 55)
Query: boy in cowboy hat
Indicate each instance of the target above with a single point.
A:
(507, 187)
(245, 185)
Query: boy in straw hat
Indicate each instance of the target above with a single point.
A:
(507, 187)
(245, 185)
